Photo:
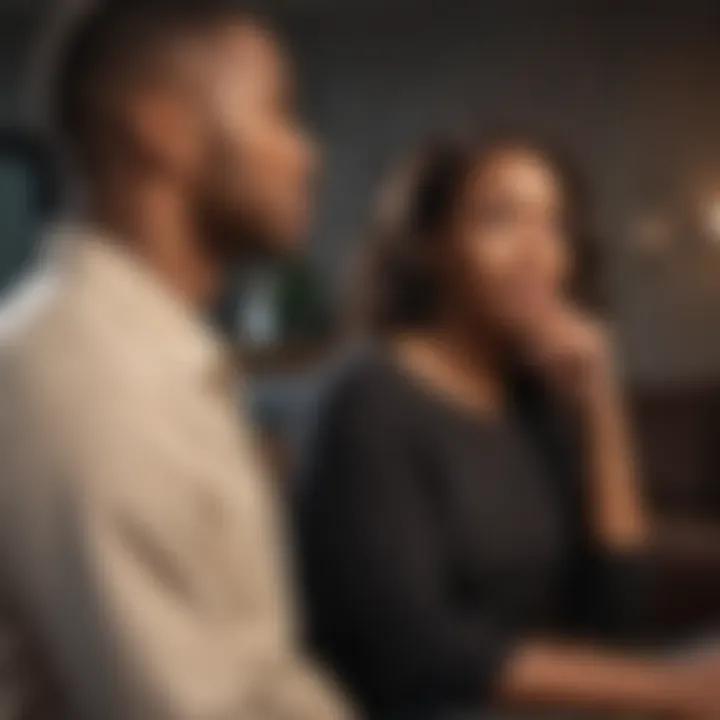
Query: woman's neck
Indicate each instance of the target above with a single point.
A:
(454, 363)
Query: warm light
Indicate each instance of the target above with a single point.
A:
(712, 220)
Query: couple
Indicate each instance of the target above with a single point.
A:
(444, 544)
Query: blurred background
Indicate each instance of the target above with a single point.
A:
(631, 89)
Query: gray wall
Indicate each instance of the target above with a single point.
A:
(632, 89)
(19, 24)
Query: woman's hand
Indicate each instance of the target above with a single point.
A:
(573, 352)
(555, 674)
(696, 684)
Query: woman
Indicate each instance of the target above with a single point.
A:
(470, 504)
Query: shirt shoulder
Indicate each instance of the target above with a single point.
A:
(27, 311)
(366, 405)
(368, 384)
(69, 395)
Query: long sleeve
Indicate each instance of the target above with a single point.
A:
(609, 593)
(138, 532)
(147, 585)
(374, 569)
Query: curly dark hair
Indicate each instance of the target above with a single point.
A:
(397, 287)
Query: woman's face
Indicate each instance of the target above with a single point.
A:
(508, 256)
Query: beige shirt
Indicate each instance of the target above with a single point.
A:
(140, 559)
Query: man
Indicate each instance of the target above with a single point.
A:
(140, 557)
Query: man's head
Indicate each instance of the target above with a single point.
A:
(196, 97)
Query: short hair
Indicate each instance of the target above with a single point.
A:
(112, 45)
(397, 289)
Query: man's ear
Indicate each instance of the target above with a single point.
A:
(166, 131)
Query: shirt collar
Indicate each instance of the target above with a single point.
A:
(144, 306)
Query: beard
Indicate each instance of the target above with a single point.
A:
(252, 202)
(228, 230)
(226, 213)
(229, 235)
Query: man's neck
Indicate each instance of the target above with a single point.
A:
(156, 226)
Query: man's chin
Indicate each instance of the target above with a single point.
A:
(284, 239)
(274, 246)
(242, 243)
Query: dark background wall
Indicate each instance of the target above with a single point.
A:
(632, 89)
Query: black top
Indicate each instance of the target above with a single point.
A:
(432, 540)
